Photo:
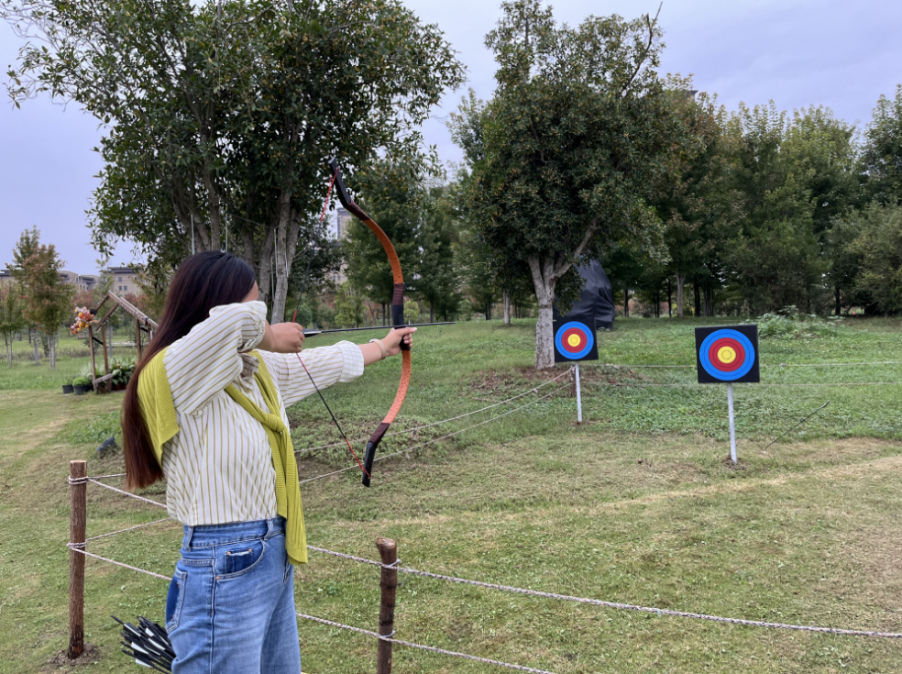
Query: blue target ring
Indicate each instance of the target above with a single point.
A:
(721, 374)
(587, 338)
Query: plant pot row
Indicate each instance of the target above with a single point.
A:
(81, 390)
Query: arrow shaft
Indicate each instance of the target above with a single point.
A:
(313, 333)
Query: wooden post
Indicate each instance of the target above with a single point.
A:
(388, 550)
(138, 337)
(106, 357)
(91, 342)
(77, 521)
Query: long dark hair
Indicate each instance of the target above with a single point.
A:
(203, 281)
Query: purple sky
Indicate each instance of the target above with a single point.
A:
(796, 52)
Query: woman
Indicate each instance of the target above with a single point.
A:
(206, 409)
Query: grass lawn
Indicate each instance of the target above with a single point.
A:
(636, 505)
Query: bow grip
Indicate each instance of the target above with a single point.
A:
(371, 452)
(397, 311)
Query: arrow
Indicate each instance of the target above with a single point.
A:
(312, 333)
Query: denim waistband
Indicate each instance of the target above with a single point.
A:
(221, 534)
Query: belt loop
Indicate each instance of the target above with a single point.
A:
(189, 536)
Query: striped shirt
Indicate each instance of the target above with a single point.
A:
(219, 466)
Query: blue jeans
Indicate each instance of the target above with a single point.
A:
(230, 606)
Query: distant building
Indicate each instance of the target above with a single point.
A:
(5, 277)
(88, 281)
(125, 280)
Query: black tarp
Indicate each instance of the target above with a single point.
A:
(596, 301)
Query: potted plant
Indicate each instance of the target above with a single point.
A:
(67, 387)
(82, 385)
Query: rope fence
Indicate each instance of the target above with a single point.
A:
(79, 547)
(416, 429)
(78, 481)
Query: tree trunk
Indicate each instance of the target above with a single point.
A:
(488, 310)
(838, 305)
(709, 303)
(545, 323)
(626, 302)
(680, 284)
(698, 300)
(432, 312)
(383, 314)
(669, 299)
(264, 269)
(34, 341)
(52, 339)
(507, 307)
(9, 354)
(545, 275)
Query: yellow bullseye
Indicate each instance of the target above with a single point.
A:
(726, 354)
(574, 340)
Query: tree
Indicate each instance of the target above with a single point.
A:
(220, 115)
(48, 299)
(349, 306)
(775, 253)
(879, 245)
(438, 280)
(28, 244)
(564, 153)
(396, 195)
(12, 320)
(694, 197)
(881, 159)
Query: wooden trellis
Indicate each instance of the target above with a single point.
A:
(142, 324)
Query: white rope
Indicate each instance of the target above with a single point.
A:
(122, 491)
(122, 531)
(433, 649)
(429, 442)
(616, 605)
(74, 547)
(444, 421)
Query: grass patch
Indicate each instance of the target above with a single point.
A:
(635, 505)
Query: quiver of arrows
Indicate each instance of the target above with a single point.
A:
(148, 644)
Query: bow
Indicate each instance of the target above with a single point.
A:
(397, 315)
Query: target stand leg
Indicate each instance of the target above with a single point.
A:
(579, 400)
(732, 423)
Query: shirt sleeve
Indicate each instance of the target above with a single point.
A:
(207, 359)
(342, 362)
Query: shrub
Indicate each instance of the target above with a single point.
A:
(790, 324)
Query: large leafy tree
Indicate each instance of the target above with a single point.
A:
(694, 197)
(879, 248)
(775, 252)
(220, 115)
(882, 155)
(578, 126)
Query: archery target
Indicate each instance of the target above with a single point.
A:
(574, 340)
(727, 354)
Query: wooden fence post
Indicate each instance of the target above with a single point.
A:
(388, 550)
(77, 522)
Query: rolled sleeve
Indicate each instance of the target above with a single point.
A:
(327, 365)
(207, 359)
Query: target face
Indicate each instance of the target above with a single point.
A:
(727, 354)
(574, 340)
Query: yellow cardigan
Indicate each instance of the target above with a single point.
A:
(158, 410)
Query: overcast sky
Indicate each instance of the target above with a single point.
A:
(840, 54)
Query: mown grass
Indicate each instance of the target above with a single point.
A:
(635, 505)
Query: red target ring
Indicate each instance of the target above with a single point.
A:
(726, 354)
(573, 340)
